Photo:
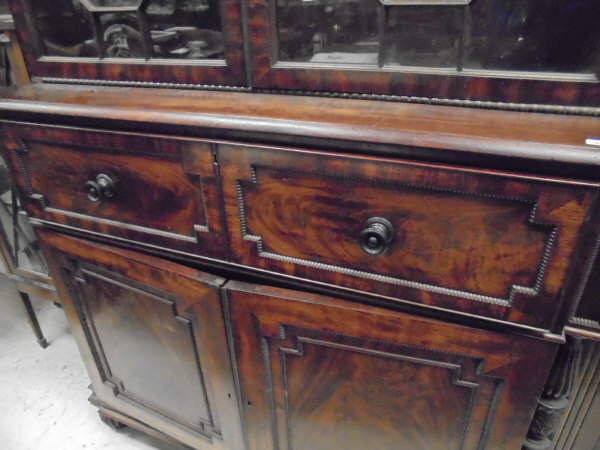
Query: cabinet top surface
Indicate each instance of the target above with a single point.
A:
(370, 125)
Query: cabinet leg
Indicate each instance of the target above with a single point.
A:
(32, 319)
(555, 398)
(114, 424)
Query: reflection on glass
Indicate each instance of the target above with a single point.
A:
(515, 35)
(114, 3)
(328, 31)
(534, 35)
(175, 29)
(427, 36)
(64, 27)
(4, 9)
(15, 231)
(121, 34)
(185, 29)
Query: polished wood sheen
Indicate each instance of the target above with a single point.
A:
(454, 250)
(321, 373)
(164, 189)
(488, 243)
(153, 339)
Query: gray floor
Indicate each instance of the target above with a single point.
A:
(43, 393)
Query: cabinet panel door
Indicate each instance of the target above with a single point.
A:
(152, 337)
(322, 373)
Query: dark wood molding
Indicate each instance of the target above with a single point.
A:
(547, 142)
(503, 106)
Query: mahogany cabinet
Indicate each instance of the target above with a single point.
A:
(272, 227)
(235, 279)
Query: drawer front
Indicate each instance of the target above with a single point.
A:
(320, 373)
(484, 243)
(164, 191)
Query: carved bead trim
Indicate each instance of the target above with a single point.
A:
(514, 289)
(586, 322)
(128, 226)
(25, 174)
(523, 107)
(148, 84)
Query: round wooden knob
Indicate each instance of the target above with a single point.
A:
(377, 233)
(102, 187)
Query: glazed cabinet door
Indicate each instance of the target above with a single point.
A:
(152, 336)
(319, 373)
(457, 50)
(155, 43)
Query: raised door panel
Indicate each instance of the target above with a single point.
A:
(494, 244)
(153, 339)
(321, 373)
(164, 191)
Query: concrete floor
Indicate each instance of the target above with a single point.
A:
(43, 392)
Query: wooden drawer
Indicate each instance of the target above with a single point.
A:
(486, 243)
(164, 190)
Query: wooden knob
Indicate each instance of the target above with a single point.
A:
(102, 187)
(377, 233)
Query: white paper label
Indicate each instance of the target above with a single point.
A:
(593, 141)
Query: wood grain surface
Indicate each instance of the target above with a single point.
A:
(152, 337)
(320, 373)
(492, 244)
(165, 189)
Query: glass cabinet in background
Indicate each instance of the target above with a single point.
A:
(20, 253)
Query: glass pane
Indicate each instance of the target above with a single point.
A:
(425, 36)
(15, 231)
(121, 34)
(114, 3)
(534, 35)
(4, 9)
(189, 29)
(328, 31)
(64, 27)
